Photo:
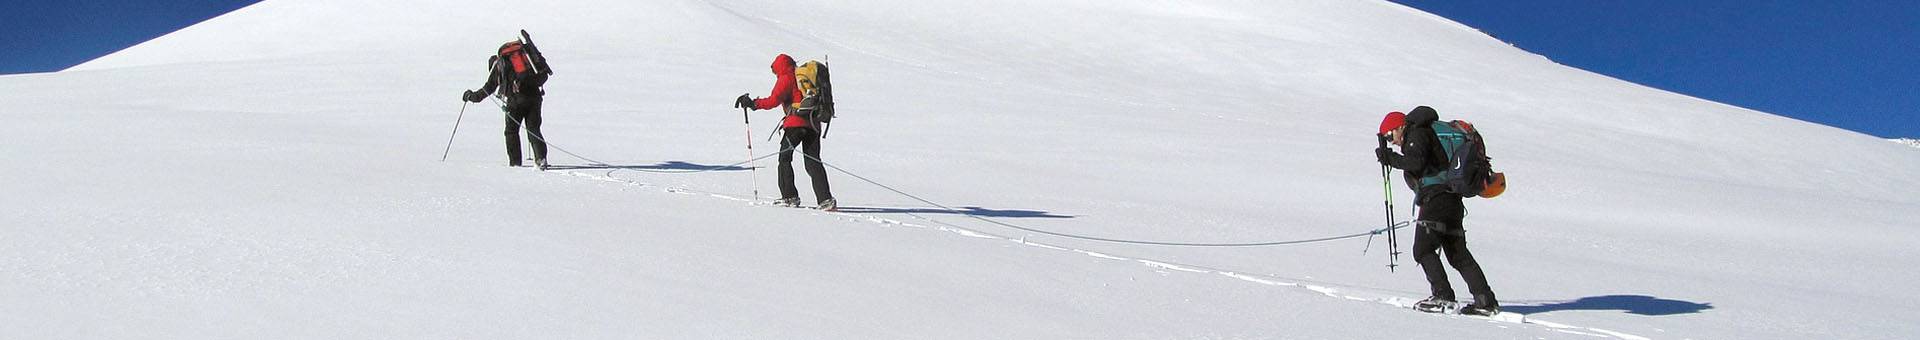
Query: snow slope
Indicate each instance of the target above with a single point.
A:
(272, 173)
(1908, 142)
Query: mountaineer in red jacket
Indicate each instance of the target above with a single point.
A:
(796, 131)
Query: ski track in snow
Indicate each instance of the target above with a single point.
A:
(1163, 267)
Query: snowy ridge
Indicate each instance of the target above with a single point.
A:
(274, 173)
(1908, 142)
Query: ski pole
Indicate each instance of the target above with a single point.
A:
(1393, 238)
(456, 130)
(754, 171)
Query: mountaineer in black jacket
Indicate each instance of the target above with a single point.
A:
(1438, 225)
(519, 72)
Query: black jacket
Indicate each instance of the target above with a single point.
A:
(500, 75)
(1423, 153)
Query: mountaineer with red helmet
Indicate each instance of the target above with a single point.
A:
(1438, 227)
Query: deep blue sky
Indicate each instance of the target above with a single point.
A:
(50, 35)
(1854, 64)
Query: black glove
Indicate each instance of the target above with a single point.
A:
(1383, 154)
(745, 101)
(473, 96)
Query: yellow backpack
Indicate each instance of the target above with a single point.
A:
(816, 87)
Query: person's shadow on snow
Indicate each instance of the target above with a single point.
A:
(1633, 304)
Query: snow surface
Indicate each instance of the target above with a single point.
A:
(274, 173)
(1908, 142)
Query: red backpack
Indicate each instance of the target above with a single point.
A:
(521, 68)
(516, 57)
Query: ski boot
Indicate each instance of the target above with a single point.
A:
(1435, 304)
(1477, 309)
(1482, 306)
(541, 163)
(790, 202)
(830, 205)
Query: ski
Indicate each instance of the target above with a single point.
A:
(1458, 309)
(777, 204)
(1440, 307)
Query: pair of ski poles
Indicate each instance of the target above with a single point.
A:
(1393, 237)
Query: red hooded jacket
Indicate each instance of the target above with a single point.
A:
(786, 93)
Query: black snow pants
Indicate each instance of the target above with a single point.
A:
(809, 143)
(1437, 230)
(529, 112)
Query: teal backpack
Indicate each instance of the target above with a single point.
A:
(1469, 170)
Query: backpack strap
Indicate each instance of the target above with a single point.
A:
(1448, 137)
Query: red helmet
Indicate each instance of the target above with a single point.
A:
(1393, 121)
